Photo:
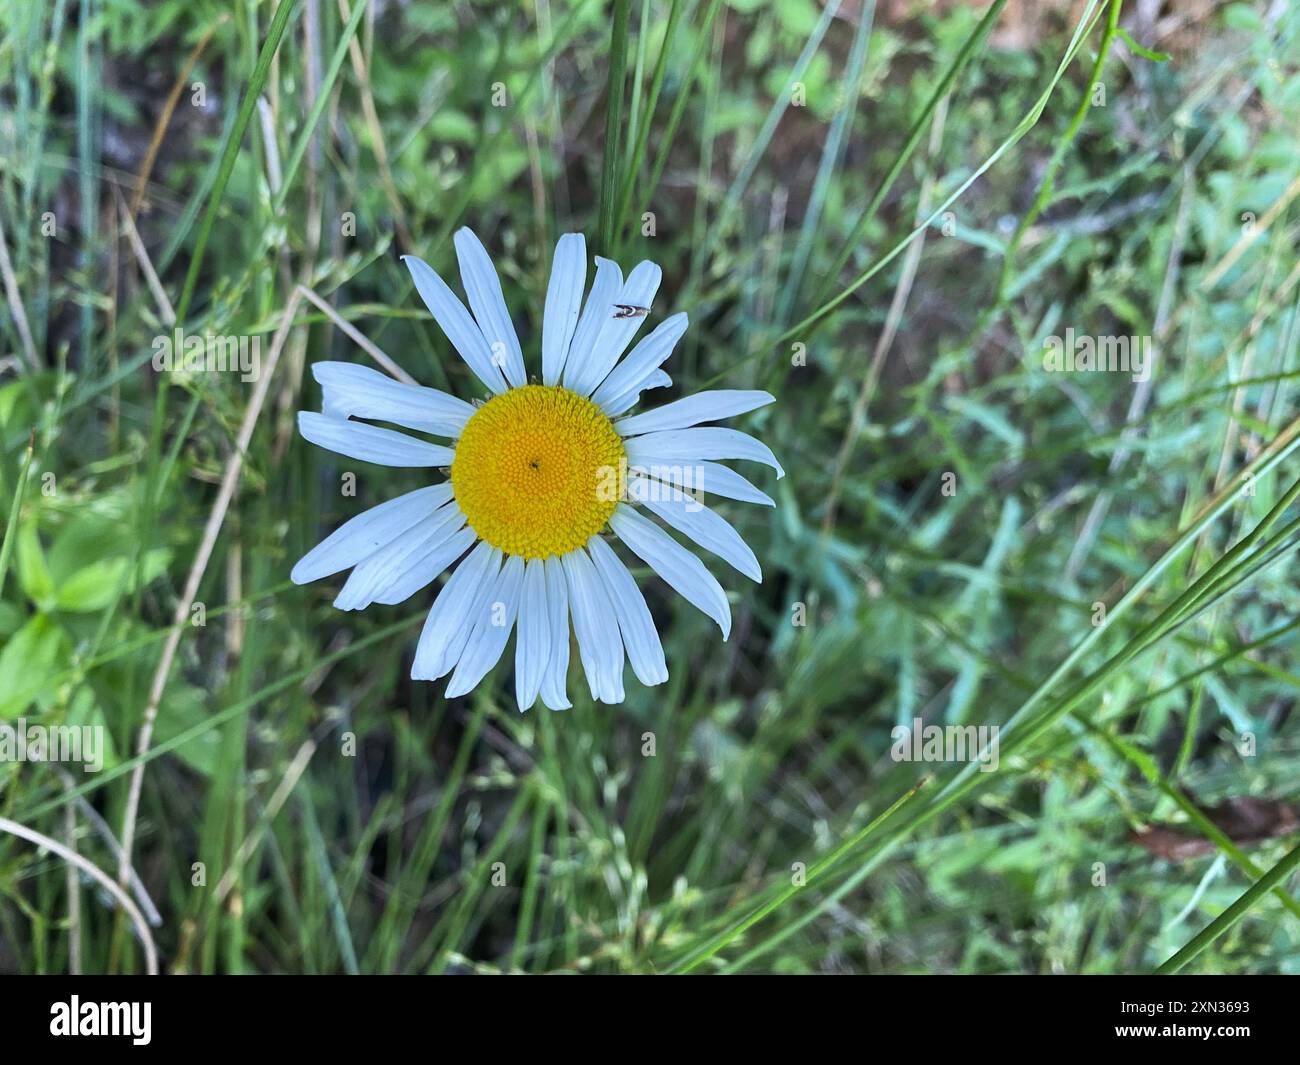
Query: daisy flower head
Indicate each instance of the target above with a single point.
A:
(533, 477)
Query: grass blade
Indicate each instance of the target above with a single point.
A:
(614, 119)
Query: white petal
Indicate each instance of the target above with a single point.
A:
(445, 630)
(687, 515)
(625, 401)
(598, 308)
(599, 645)
(533, 640)
(563, 303)
(708, 477)
(692, 445)
(373, 577)
(555, 682)
(455, 321)
(363, 392)
(426, 569)
(642, 361)
(701, 407)
(640, 637)
(678, 567)
(617, 333)
(358, 590)
(360, 537)
(369, 443)
(488, 303)
(495, 620)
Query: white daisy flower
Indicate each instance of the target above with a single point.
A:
(535, 475)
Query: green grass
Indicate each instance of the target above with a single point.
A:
(878, 219)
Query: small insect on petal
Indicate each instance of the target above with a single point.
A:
(627, 310)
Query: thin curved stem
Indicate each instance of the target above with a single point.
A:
(101, 877)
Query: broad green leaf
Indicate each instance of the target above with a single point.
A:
(32, 568)
(35, 653)
(95, 586)
(182, 708)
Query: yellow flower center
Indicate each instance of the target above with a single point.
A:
(537, 471)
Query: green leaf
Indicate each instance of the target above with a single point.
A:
(95, 586)
(11, 617)
(1243, 17)
(1142, 50)
(15, 509)
(33, 570)
(183, 708)
(454, 126)
(86, 711)
(93, 534)
(27, 662)
(798, 17)
(88, 560)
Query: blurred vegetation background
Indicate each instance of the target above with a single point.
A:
(879, 212)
